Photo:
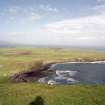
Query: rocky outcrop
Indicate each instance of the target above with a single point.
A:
(33, 75)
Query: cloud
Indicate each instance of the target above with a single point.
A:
(13, 9)
(88, 27)
(83, 24)
(98, 9)
(85, 30)
(100, 1)
(19, 14)
(25, 14)
(34, 17)
(48, 8)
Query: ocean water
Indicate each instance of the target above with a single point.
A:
(73, 73)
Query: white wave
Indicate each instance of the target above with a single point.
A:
(66, 72)
(78, 62)
(59, 77)
(52, 82)
(72, 80)
(42, 80)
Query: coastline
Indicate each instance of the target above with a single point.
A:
(43, 71)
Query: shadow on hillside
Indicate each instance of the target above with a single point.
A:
(38, 101)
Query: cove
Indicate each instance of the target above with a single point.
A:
(76, 72)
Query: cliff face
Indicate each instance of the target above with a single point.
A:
(33, 75)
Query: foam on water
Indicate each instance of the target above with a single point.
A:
(66, 72)
(60, 77)
(71, 73)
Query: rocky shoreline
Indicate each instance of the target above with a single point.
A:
(33, 75)
(43, 71)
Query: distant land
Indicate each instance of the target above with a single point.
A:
(5, 44)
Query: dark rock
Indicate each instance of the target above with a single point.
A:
(33, 75)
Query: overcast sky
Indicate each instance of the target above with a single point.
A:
(53, 22)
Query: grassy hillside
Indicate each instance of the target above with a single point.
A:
(22, 59)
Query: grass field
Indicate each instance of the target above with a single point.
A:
(16, 60)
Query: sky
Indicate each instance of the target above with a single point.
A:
(53, 22)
